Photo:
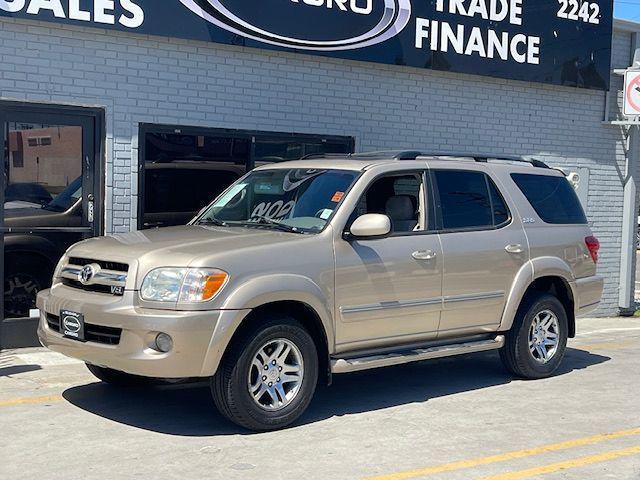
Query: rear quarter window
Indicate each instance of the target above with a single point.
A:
(553, 198)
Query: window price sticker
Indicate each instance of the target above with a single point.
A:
(632, 93)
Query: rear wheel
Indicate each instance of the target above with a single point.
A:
(535, 345)
(268, 377)
(118, 378)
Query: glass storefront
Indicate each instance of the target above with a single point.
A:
(183, 169)
(48, 203)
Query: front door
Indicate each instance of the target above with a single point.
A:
(389, 290)
(49, 200)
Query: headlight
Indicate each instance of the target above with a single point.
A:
(188, 285)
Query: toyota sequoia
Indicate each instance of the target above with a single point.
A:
(328, 265)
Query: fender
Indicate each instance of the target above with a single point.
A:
(529, 272)
(33, 245)
(260, 291)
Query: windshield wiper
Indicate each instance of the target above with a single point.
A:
(265, 221)
(212, 221)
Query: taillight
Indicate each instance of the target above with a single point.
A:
(593, 245)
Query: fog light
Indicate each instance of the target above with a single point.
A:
(164, 343)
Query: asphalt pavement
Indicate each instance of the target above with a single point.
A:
(456, 418)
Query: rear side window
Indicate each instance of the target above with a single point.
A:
(553, 198)
(469, 200)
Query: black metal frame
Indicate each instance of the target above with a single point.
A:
(252, 135)
(93, 171)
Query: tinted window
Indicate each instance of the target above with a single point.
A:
(553, 198)
(184, 190)
(464, 199)
(501, 213)
(275, 149)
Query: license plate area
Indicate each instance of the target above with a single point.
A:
(72, 325)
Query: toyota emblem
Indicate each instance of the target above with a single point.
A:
(87, 273)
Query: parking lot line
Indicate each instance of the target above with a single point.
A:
(29, 400)
(605, 345)
(567, 464)
(462, 464)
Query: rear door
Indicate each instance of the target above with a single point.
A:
(483, 249)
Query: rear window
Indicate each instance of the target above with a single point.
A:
(553, 198)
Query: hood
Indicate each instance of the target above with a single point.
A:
(177, 246)
(16, 211)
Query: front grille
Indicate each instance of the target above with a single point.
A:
(100, 276)
(92, 333)
(87, 288)
(105, 265)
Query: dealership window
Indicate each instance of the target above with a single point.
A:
(184, 168)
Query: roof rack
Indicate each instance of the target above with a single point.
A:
(478, 157)
(414, 154)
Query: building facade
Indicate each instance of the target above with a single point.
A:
(139, 81)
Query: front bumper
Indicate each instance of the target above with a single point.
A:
(199, 337)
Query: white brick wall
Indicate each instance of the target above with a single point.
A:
(158, 80)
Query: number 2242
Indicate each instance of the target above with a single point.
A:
(574, 10)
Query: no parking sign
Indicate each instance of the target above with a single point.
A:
(632, 93)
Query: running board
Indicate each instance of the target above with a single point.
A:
(346, 365)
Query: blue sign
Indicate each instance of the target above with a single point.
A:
(563, 42)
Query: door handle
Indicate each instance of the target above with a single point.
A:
(514, 248)
(424, 255)
(90, 210)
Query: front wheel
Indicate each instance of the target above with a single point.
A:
(268, 377)
(536, 343)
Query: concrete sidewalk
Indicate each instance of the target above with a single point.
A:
(457, 418)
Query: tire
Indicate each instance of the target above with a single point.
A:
(24, 277)
(118, 378)
(238, 376)
(518, 356)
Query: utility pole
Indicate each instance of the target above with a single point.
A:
(626, 296)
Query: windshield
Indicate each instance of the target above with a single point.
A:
(67, 198)
(298, 200)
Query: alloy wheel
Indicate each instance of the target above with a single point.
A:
(276, 374)
(544, 336)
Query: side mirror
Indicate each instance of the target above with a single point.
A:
(371, 225)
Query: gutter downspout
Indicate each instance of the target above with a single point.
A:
(626, 296)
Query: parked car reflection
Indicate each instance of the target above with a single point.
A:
(31, 257)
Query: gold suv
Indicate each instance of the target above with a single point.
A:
(328, 265)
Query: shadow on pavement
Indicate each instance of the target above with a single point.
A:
(17, 369)
(188, 410)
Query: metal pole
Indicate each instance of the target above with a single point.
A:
(626, 295)
(629, 226)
